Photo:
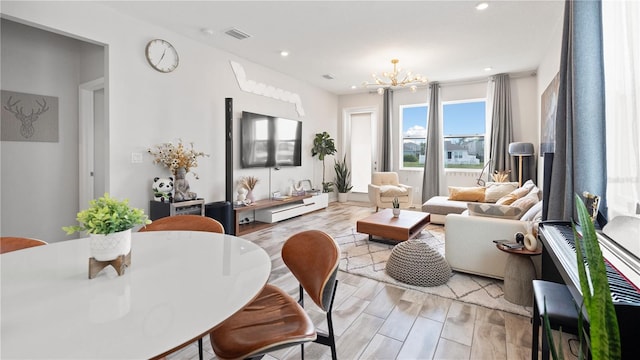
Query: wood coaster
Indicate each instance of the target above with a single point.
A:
(119, 263)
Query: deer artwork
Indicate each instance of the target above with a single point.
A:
(26, 129)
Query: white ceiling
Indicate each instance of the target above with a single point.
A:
(443, 40)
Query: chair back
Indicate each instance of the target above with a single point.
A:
(185, 222)
(385, 178)
(313, 257)
(9, 243)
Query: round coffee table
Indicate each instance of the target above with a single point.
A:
(519, 272)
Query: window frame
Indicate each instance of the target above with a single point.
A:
(402, 137)
(485, 135)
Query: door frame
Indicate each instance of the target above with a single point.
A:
(86, 143)
(347, 113)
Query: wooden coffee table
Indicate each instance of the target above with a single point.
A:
(382, 224)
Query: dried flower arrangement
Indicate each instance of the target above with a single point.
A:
(248, 182)
(501, 175)
(176, 156)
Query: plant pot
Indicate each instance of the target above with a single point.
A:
(396, 212)
(105, 247)
(342, 197)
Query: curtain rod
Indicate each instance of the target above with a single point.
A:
(517, 75)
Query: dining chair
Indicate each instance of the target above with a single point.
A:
(274, 319)
(186, 222)
(10, 243)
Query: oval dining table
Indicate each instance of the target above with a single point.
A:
(179, 286)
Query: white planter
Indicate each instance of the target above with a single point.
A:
(110, 246)
(342, 197)
(396, 212)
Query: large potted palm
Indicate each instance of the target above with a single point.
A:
(343, 179)
(323, 145)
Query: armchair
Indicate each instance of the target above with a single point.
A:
(385, 186)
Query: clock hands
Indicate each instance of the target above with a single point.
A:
(161, 57)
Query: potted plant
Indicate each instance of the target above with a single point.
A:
(108, 222)
(343, 179)
(396, 207)
(323, 145)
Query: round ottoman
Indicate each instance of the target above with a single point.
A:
(416, 263)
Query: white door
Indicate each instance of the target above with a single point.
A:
(92, 141)
(361, 145)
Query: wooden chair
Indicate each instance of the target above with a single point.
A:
(274, 319)
(10, 243)
(190, 223)
(185, 222)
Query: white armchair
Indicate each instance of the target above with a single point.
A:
(385, 186)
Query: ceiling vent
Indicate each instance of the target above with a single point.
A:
(328, 76)
(240, 35)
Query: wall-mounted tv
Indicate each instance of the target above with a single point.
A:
(269, 141)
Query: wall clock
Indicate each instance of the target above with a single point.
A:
(161, 55)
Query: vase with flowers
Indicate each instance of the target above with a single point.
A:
(249, 183)
(180, 160)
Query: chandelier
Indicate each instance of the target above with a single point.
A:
(396, 79)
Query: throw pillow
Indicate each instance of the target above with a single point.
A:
(493, 210)
(534, 213)
(516, 194)
(525, 203)
(392, 190)
(466, 193)
(495, 190)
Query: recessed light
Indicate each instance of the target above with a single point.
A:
(284, 53)
(488, 68)
(353, 87)
(482, 6)
(207, 31)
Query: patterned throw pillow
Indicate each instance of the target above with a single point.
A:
(493, 210)
(516, 194)
(495, 190)
(527, 202)
(466, 193)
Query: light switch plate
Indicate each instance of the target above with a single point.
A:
(136, 158)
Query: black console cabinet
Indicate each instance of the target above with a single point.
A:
(159, 209)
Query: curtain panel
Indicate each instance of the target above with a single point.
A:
(501, 125)
(433, 176)
(387, 116)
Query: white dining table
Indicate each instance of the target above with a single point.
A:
(179, 286)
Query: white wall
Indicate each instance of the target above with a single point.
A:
(146, 107)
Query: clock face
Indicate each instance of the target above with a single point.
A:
(162, 56)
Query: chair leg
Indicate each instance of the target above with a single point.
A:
(535, 329)
(200, 351)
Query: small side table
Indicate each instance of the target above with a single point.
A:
(519, 272)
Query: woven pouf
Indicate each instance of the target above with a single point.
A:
(416, 263)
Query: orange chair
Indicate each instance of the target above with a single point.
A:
(186, 223)
(9, 243)
(275, 320)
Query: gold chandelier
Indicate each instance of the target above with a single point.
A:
(396, 79)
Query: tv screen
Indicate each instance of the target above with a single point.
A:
(268, 141)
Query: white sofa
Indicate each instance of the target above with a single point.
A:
(469, 246)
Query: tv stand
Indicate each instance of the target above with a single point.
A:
(267, 212)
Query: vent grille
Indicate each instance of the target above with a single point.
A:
(328, 76)
(240, 35)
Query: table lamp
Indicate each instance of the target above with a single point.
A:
(520, 149)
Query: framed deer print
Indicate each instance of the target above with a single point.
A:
(29, 117)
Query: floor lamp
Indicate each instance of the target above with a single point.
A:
(520, 149)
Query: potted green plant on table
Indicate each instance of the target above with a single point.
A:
(343, 179)
(108, 222)
(323, 145)
(396, 207)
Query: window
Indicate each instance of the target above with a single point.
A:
(464, 129)
(413, 122)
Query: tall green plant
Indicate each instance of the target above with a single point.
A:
(323, 145)
(604, 334)
(343, 176)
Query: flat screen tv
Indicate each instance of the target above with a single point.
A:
(269, 141)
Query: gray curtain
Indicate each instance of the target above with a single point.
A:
(579, 162)
(387, 108)
(501, 126)
(433, 165)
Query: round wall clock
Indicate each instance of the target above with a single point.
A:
(162, 56)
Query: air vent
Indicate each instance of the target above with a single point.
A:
(240, 35)
(328, 76)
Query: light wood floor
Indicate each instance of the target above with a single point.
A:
(374, 320)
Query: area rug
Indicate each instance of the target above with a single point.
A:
(361, 257)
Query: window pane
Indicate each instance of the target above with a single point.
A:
(413, 120)
(464, 133)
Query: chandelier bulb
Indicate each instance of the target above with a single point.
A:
(414, 88)
(380, 91)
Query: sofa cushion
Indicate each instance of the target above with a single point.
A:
(392, 190)
(527, 202)
(493, 210)
(534, 213)
(516, 194)
(442, 205)
(466, 193)
(495, 190)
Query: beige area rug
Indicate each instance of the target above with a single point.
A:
(368, 259)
